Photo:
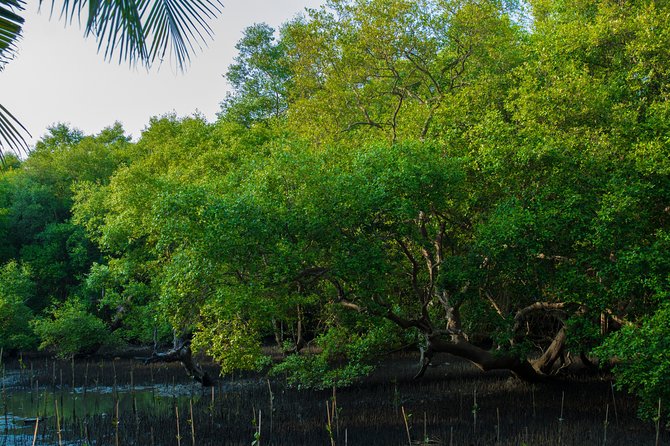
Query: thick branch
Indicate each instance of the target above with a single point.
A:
(415, 265)
(350, 305)
(182, 353)
(537, 306)
(299, 340)
(545, 362)
(621, 321)
(356, 124)
(484, 359)
(432, 263)
(394, 119)
(439, 242)
(414, 59)
(452, 312)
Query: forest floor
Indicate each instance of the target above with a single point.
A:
(124, 402)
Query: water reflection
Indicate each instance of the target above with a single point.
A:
(22, 408)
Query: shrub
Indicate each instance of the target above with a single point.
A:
(643, 360)
(71, 329)
(15, 289)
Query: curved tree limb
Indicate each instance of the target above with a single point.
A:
(537, 306)
(484, 359)
(181, 352)
(545, 362)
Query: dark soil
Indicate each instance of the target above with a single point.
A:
(440, 409)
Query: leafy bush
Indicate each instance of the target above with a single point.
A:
(343, 359)
(232, 341)
(643, 360)
(314, 371)
(70, 328)
(15, 289)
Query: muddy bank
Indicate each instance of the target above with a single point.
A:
(125, 402)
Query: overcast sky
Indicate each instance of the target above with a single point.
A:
(60, 77)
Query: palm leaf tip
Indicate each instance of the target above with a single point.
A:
(177, 27)
(12, 134)
(147, 30)
(11, 24)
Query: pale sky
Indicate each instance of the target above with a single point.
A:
(59, 76)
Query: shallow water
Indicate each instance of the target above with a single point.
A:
(21, 407)
(438, 407)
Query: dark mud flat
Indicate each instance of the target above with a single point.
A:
(123, 402)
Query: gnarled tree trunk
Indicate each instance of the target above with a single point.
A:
(181, 352)
(485, 359)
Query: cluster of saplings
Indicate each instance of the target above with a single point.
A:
(481, 178)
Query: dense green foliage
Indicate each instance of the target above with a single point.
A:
(70, 328)
(642, 350)
(15, 290)
(477, 178)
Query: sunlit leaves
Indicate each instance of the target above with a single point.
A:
(386, 69)
(259, 78)
(233, 341)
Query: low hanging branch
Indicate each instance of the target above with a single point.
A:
(454, 342)
(446, 335)
(181, 352)
(484, 359)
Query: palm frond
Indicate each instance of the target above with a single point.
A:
(10, 29)
(117, 26)
(145, 30)
(132, 30)
(11, 133)
(178, 25)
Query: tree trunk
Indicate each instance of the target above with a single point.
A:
(299, 342)
(546, 362)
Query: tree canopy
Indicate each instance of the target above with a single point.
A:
(484, 179)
